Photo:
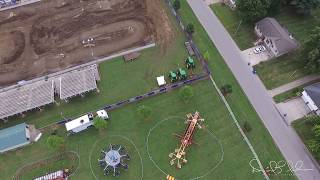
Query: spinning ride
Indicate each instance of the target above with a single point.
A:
(113, 159)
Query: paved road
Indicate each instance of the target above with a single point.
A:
(284, 136)
(293, 84)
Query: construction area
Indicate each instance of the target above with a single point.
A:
(50, 36)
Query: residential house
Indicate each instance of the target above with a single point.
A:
(311, 96)
(275, 37)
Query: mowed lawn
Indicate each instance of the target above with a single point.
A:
(125, 122)
(243, 110)
(239, 30)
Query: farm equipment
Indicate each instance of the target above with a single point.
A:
(173, 76)
(190, 63)
(193, 120)
(182, 74)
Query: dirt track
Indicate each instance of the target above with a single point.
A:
(53, 35)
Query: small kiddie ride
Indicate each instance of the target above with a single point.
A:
(190, 64)
(173, 76)
(186, 140)
(112, 159)
(182, 74)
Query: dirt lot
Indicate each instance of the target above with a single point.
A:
(53, 35)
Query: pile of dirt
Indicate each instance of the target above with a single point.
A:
(164, 33)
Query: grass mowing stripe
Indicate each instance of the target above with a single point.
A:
(239, 128)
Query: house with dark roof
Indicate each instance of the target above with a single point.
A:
(18, 136)
(276, 38)
(311, 96)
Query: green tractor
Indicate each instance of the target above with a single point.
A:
(190, 63)
(173, 76)
(182, 74)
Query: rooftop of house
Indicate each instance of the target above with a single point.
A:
(282, 38)
(314, 92)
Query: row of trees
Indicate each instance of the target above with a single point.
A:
(311, 51)
(253, 10)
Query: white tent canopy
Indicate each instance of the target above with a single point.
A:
(161, 81)
(79, 124)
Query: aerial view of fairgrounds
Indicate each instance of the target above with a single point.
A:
(116, 89)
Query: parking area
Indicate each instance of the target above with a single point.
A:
(253, 58)
(293, 109)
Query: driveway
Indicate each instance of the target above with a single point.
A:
(250, 57)
(285, 137)
(293, 109)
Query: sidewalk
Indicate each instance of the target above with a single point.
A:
(293, 84)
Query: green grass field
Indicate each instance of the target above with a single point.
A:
(240, 31)
(120, 81)
(281, 70)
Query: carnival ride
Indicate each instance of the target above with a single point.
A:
(194, 121)
(112, 159)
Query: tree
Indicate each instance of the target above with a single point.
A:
(313, 120)
(247, 127)
(314, 145)
(100, 123)
(253, 10)
(190, 28)
(176, 5)
(316, 131)
(186, 94)
(55, 142)
(226, 89)
(305, 7)
(144, 112)
(312, 51)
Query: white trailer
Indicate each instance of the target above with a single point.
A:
(79, 124)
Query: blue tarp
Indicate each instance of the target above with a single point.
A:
(13, 137)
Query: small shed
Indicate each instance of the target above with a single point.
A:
(161, 81)
(131, 56)
(17, 136)
(189, 48)
(79, 124)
